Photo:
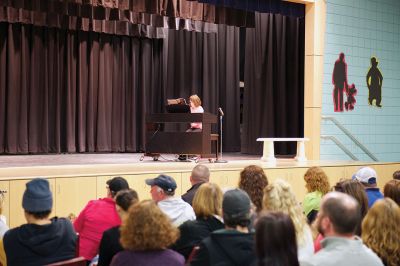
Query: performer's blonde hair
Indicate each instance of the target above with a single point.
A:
(195, 99)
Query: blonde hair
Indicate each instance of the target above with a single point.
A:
(381, 231)
(195, 100)
(316, 180)
(208, 200)
(147, 228)
(279, 196)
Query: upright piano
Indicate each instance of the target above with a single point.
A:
(160, 140)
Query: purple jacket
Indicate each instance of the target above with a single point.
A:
(165, 257)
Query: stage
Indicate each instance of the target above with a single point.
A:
(77, 178)
(93, 164)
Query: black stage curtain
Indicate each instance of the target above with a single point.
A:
(207, 65)
(74, 91)
(274, 82)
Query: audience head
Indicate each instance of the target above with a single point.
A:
(116, 184)
(396, 175)
(195, 100)
(147, 228)
(278, 196)
(339, 215)
(207, 201)
(356, 190)
(276, 240)
(316, 180)
(381, 231)
(124, 199)
(162, 187)
(392, 190)
(366, 176)
(37, 200)
(200, 174)
(236, 206)
(253, 180)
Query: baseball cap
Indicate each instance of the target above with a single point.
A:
(165, 182)
(366, 175)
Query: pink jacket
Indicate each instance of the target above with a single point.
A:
(98, 216)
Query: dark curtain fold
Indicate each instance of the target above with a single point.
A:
(274, 77)
(137, 18)
(207, 65)
(68, 91)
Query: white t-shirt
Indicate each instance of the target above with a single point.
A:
(197, 109)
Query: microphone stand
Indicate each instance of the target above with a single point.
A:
(220, 160)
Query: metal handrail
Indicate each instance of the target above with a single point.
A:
(348, 133)
(338, 143)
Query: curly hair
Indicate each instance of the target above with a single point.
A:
(392, 190)
(208, 200)
(279, 196)
(147, 228)
(381, 231)
(253, 180)
(316, 180)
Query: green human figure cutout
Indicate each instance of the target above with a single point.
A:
(374, 83)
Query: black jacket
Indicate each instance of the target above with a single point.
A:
(226, 247)
(32, 244)
(189, 195)
(192, 232)
(109, 246)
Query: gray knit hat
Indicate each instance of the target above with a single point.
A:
(37, 196)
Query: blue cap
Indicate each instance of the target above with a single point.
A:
(37, 196)
(165, 182)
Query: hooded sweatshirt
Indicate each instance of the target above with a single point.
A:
(177, 210)
(226, 247)
(32, 244)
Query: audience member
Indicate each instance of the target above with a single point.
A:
(207, 205)
(396, 175)
(381, 231)
(317, 185)
(98, 216)
(200, 175)
(337, 221)
(146, 235)
(3, 222)
(368, 178)
(162, 192)
(356, 190)
(253, 180)
(276, 240)
(233, 245)
(42, 240)
(392, 190)
(110, 244)
(279, 196)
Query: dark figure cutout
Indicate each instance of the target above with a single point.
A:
(339, 80)
(351, 99)
(374, 83)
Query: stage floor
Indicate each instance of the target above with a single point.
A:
(88, 164)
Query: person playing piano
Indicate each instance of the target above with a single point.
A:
(195, 107)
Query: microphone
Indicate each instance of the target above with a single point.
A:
(221, 113)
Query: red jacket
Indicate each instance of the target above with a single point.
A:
(97, 217)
